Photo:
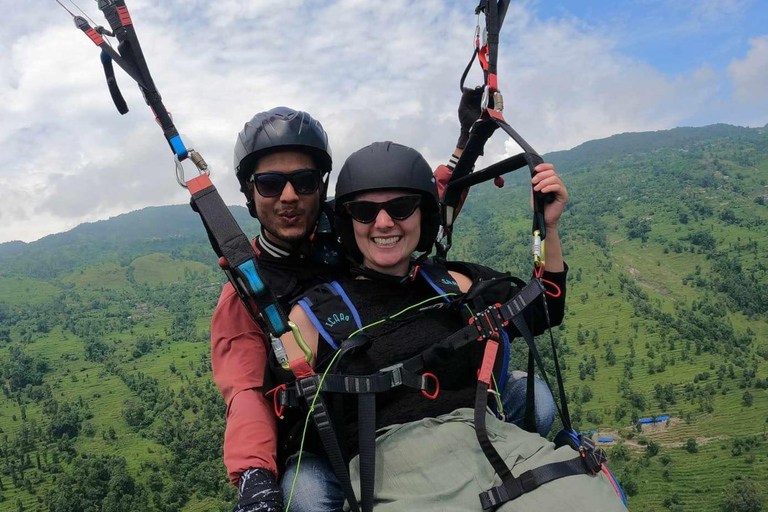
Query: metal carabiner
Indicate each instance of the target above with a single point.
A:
(197, 159)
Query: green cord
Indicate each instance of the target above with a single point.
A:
(322, 379)
(401, 312)
(497, 394)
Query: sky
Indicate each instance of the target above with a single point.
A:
(570, 71)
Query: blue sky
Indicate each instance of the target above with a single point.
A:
(673, 36)
(570, 70)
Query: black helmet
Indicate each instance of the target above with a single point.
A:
(279, 129)
(387, 166)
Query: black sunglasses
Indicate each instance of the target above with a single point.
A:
(271, 184)
(399, 208)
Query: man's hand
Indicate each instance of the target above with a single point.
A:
(469, 112)
(547, 181)
(259, 492)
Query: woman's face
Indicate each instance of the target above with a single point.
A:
(386, 243)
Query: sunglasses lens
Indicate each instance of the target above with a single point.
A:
(269, 185)
(401, 208)
(363, 211)
(305, 182)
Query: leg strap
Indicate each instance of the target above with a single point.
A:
(308, 389)
(531, 480)
(366, 410)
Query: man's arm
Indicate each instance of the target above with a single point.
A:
(239, 358)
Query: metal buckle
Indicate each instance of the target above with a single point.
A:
(396, 373)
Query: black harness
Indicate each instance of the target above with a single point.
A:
(338, 324)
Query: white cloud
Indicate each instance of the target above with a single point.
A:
(750, 74)
(368, 70)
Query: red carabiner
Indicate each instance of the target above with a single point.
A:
(437, 386)
(278, 410)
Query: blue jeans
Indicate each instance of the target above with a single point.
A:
(318, 490)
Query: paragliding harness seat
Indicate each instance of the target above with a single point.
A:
(338, 322)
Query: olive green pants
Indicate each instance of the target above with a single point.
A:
(436, 464)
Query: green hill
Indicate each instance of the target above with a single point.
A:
(108, 400)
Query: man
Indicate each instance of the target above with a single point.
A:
(282, 161)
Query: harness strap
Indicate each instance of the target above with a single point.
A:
(529, 422)
(229, 241)
(497, 317)
(308, 389)
(530, 480)
(366, 420)
(481, 403)
(521, 326)
(114, 89)
(381, 382)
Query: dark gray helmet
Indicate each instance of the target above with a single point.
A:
(279, 129)
(387, 166)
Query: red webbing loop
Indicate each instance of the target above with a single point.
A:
(489, 358)
(199, 183)
(125, 17)
(493, 82)
(482, 56)
(95, 37)
(300, 368)
(495, 114)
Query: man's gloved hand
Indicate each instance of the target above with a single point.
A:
(259, 492)
(469, 112)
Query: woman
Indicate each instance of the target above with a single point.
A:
(395, 309)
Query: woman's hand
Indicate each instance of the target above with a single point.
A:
(547, 181)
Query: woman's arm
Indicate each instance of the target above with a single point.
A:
(548, 182)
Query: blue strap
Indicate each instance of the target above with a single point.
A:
(336, 286)
(275, 318)
(316, 322)
(434, 286)
(505, 363)
(178, 147)
(254, 280)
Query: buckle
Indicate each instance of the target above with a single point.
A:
(395, 372)
(488, 323)
(593, 458)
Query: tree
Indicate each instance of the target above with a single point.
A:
(690, 446)
(743, 496)
(747, 398)
(628, 484)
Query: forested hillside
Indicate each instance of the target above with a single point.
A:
(108, 402)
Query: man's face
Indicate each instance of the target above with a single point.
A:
(289, 217)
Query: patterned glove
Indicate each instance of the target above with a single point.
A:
(259, 492)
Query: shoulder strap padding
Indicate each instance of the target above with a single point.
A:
(331, 312)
